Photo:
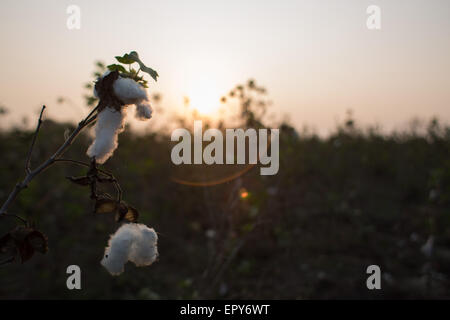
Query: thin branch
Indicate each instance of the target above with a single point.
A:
(119, 190)
(61, 150)
(226, 263)
(81, 163)
(87, 120)
(15, 216)
(30, 151)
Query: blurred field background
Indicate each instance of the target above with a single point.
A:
(337, 205)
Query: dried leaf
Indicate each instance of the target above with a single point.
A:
(38, 241)
(82, 181)
(105, 205)
(121, 210)
(132, 215)
(26, 251)
(105, 180)
(8, 248)
(26, 241)
(126, 212)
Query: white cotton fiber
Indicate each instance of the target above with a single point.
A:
(129, 91)
(144, 250)
(118, 250)
(131, 242)
(110, 123)
(143, 110)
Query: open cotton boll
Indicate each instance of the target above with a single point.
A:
(129, 91)
(118, 250)
(131, 242)
(144, 250)
(110, 123)
(143, 110)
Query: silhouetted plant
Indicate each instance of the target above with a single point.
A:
(113, 92)
(252, 101)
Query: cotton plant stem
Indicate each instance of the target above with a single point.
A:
(31, 174)
(30, 151)
(84, 164)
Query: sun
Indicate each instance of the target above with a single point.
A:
(204, 97)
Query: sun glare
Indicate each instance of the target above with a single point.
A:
(204, 97)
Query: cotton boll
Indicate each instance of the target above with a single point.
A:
(129, 91)
(118, 250)
(131, 242)
(143, 110)
(110, 123)
(144, 250)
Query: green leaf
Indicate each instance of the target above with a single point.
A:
(129, 58)
(150, 71)
(133, 72)
(134, 55)
(116, 67)
(126, 59)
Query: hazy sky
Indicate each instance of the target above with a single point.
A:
(316, 58)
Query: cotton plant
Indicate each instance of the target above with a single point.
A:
(116, 91)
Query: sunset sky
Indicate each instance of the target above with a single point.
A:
(317, 59)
